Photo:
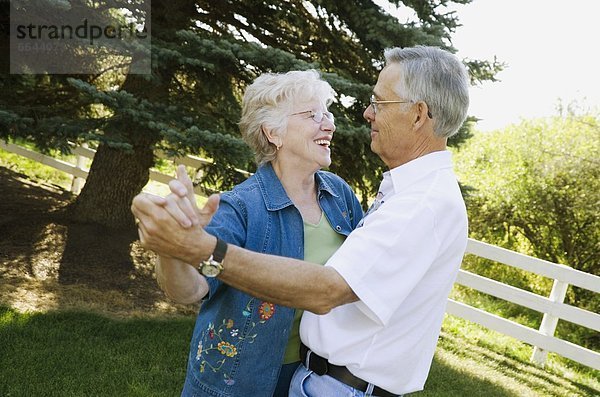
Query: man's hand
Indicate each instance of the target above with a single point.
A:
(181, 203)
(161, 232)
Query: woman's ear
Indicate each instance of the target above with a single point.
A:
(271, 136)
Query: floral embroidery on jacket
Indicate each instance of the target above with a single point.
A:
(266, 310)
(227, 349)
(225, 339)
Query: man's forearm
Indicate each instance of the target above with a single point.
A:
(285, 281)
(280, 280)
(180, 281)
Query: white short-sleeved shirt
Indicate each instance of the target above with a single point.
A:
(401, 263)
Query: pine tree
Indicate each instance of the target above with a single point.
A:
(204, 54)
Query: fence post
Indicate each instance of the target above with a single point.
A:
(549, 322)
(77, 182)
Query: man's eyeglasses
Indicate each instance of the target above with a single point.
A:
(317, 116)
(375, 102)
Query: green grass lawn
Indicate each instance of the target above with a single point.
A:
(86, 354)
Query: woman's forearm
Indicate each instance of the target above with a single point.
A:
(180, 281)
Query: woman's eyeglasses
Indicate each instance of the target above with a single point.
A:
(317, 116)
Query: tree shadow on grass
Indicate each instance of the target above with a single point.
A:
(445, 380)
(96, 256)
(48, 260)
(466, 365)
(24, 216)
(43, 242)
(449, 380)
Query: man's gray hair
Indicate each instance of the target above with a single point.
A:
(270, 99)
(436, 77)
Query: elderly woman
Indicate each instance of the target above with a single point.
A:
(242, 346)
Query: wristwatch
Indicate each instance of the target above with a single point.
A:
(212, 266)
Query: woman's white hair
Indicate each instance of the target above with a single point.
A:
(268, 102)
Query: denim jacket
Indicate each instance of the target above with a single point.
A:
(239, 341)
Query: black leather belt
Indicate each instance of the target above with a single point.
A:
(321, 366)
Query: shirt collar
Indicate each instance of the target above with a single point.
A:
(323, 185)
(272, 190)
(409, 173)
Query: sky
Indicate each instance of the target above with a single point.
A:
(552, 52)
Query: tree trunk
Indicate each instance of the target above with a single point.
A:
(115, 178)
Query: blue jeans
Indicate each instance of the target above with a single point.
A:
(285, 377)
(306, 383)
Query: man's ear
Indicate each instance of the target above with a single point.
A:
(421, 115)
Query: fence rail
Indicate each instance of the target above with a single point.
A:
(552, 307)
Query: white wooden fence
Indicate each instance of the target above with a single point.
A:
(79, 172)
(552, 307)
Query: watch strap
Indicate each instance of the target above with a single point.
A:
(220, 250)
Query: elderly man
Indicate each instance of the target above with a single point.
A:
(374, 311)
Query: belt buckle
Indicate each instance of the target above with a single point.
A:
(318, 366)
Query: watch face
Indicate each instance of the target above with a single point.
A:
(211, 269)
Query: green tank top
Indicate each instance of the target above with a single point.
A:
(320, 242)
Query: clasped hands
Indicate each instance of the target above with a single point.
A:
(173, 226)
